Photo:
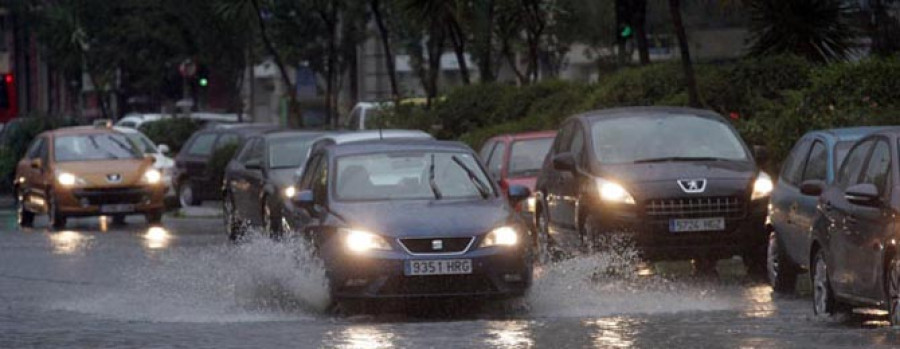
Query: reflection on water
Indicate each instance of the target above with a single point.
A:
(510, 334)
(69, 242)
(157, 238)
(759, 301)
(365, 337)
(615, 332)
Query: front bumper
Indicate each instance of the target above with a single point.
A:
(496, 273)
(651, 235)
(97, 201)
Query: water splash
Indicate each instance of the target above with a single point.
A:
(257, 280)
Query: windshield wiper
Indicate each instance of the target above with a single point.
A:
(434, 187)
(482, 188)
(678, 158)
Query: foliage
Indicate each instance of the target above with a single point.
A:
(172, 132)
(815, 29)
(16, 138)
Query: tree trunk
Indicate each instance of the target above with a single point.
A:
(684, 47)
(639, 20)
(267, 42)
(511, 60)
(435, 49)
(485, 49)
(457, 38)
(389, 60)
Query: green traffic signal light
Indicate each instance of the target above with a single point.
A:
(626, 32)
(203, 82)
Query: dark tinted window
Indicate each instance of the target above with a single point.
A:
(577, 145)
(202, 145)
(226, 139)
(793, 165)
(527, 156)
(309, 172)
(878, 168)
(816, 163)
(244, 152)
(256, 153)
(850, 167)
(563, 139)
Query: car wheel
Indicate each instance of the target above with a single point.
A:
(893, 291)
(271, 221)
(24, 217)
(542, 238)
(824, 302)
(782, 274)
(153, 217)
(57, 219)
(232, 227)
(186, 195)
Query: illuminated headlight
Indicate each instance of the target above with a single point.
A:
(67, 179)
(531, 204)
(762, 187)
(363, 241)
(152, 176)
(502, 236)
(614, 192)
(290, 191)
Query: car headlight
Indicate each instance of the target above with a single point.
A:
(531, 204)
(762, 187)
(290, 191)
(363, 241)
(614, 192)
(67, 179)
(502, 236)
(152, 176)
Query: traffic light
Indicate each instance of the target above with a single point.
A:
(203, 82)
(626, 32)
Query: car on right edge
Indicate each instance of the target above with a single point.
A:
(678, 183)
(854, 254)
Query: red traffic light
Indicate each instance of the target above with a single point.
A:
(9, 78)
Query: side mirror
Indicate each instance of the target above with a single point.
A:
(564, 162)
(865, 194)
(304, 199)
(163, 149)
(812, 187)
(760, 153)
(518, 193)
(36, 164)
(253, 165)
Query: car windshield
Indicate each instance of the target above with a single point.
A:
(289, 152)
(89, 147)
(649, 138)
(414, 175)
(142, 142)
(527, 156)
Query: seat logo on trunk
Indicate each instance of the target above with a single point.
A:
(437, 245)
(114, 178)
(692, 186)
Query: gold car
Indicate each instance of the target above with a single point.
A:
(87, 171)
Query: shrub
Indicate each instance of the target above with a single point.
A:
(639, 86)
(172, 132)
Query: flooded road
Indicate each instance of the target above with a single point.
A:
(183, 285)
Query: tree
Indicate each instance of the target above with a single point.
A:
(443, 15)
(639, 23)
(684, 48)
(882, 27)
(384, 33)
(815, 29)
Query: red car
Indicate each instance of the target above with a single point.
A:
(516, 159)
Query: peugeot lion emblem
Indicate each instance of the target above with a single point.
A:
(692, 186)
(114, 178)
(437, 245)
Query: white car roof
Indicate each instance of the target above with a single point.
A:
(366, 135)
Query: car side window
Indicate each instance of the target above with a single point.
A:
(564, 139)
(226, 139)
(310, 172)
(244, 152)
(852, 163)
(817, 163)
(878, 168)
(495, 163)
(486, 150)
(577, 144)
(202, 145)
(791, 170)
(320, 181)
(34, 151)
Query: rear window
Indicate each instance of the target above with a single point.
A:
(203, 145)
(94, 147)
(527, 156)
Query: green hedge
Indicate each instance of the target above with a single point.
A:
(772, 100)
(172, 132)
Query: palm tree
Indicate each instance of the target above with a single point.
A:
(815, 29)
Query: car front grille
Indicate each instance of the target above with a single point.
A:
(437, 285)
(111, 196)
(427, 246)
(728, 207)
